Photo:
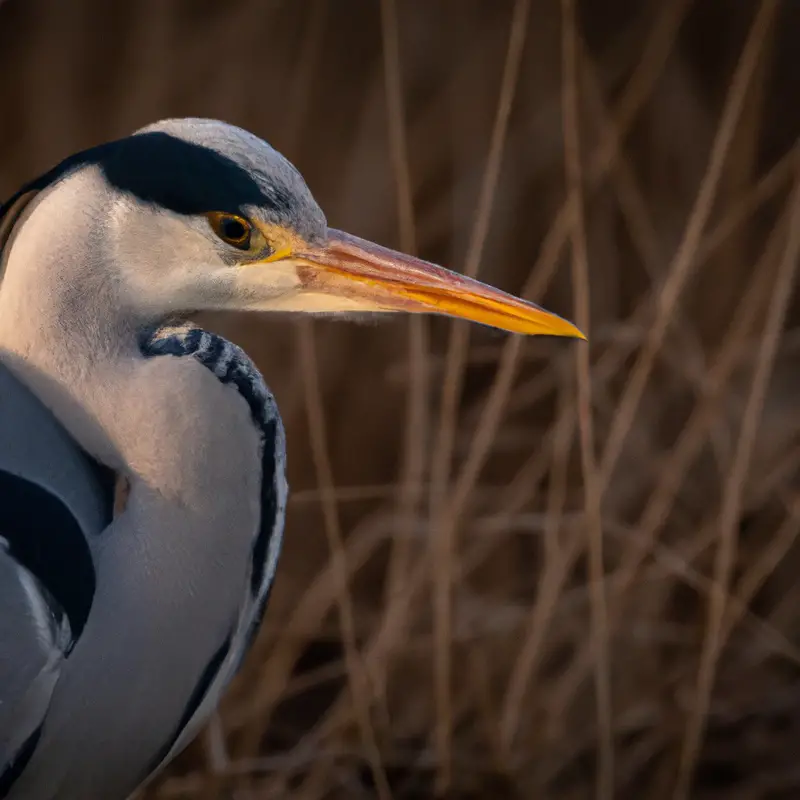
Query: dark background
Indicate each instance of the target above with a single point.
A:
(439, 623)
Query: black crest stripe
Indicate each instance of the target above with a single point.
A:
(269, 509)
(147, 166)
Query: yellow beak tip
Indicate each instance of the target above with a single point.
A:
(567, 330)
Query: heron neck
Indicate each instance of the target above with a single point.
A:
(66, 347)
(62, 327)
(82, 387)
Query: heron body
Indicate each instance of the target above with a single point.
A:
(121, 623)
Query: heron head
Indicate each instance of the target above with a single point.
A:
(195, 215)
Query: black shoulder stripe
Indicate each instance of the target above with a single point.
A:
(46, 539)
(9, 774)
(261, 584)
(255, 623)
(269, 509)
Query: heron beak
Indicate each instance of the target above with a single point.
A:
(359, 273)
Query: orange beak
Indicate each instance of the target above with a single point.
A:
(366, 276)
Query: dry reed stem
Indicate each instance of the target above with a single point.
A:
(669, 564)
(633, 205)
(525, 479)
(684, 261)
(416, 436)
(378, 650)
(692, 436)
(680, 455)
(765, 189)
(558, 561)
(602, 161)
(612, 360)
(757, 574)
(357, 676)
(655, 54)
(619, 583)
(443, 551)
(592, 492)
(698, 426)
(732, 500)
(307, 65)
(685, 450)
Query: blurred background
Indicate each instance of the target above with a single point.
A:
(513, 569)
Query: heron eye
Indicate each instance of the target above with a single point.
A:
(231, 229)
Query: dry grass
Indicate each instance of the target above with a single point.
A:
(514, 568)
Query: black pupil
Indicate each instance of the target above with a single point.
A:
(233, 230)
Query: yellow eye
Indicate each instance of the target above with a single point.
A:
(232, 229)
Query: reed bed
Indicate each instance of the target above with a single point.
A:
(513, 568)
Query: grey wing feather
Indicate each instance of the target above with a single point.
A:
(53, 502)
(35, 446)
(34, 635)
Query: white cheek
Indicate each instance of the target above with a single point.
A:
(268, 283)
(282, 275)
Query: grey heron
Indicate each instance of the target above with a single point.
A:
(142, 486)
